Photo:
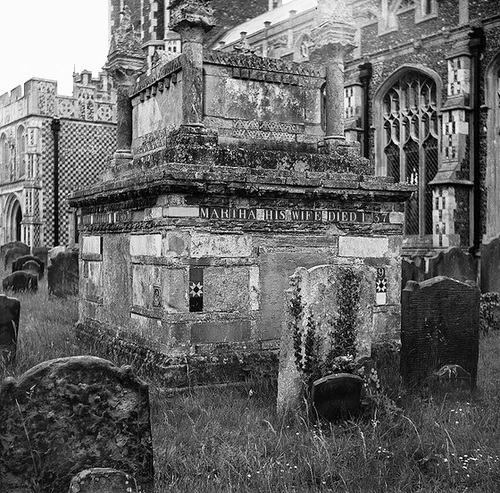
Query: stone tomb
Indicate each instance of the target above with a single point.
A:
(10, 309)
(223, 183)
(440, 327)
(69, 414)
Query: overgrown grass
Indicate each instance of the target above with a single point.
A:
(230, 439)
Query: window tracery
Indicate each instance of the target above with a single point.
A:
(410, 144)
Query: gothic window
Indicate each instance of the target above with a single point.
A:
(410, 144)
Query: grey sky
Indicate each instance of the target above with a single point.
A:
(47, 38)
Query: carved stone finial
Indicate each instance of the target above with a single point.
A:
(243, 47)
(124, 39)
(191, 13)
(334, 26)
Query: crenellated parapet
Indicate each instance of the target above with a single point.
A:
(93, 99)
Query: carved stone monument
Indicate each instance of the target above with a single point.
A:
(187, 247)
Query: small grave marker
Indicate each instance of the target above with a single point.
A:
(103, 480)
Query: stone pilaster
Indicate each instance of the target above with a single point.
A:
(192, 19)
(333, 37)
(124, 64)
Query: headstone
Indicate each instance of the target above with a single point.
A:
(29, 263)
(42, 253)
(62, 274)
(103, 480)
(13, 244)
(13, 253)
(337, 396)
(20, 281)
(490, 267)
(453, 263)
(411, 271)
(53, 252)
(328, 324)
(10, 309)
(71, 414)
(439, 326)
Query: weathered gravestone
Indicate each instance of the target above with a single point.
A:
(20, 281)
(329, 324)
(10, 309)
(103, 480)
(71, 414)
(62, 274)
(453, 263)
(439, 327)
(42, 253)
(13, 252)
(29, 263)
(490, 267)
(412, 270)
(7, 246)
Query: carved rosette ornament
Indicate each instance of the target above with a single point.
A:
(333, 37)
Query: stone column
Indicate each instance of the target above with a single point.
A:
(124, 82)
(333, 37)
(192, 19)
(125, 62)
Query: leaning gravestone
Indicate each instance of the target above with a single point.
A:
(71, 414)
(327, 307)
(439, 327)
(29, 263)
(20, 281)
(10, 309)
(103, 480)
(62, 274)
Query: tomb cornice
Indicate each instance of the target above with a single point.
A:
(238, 181)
